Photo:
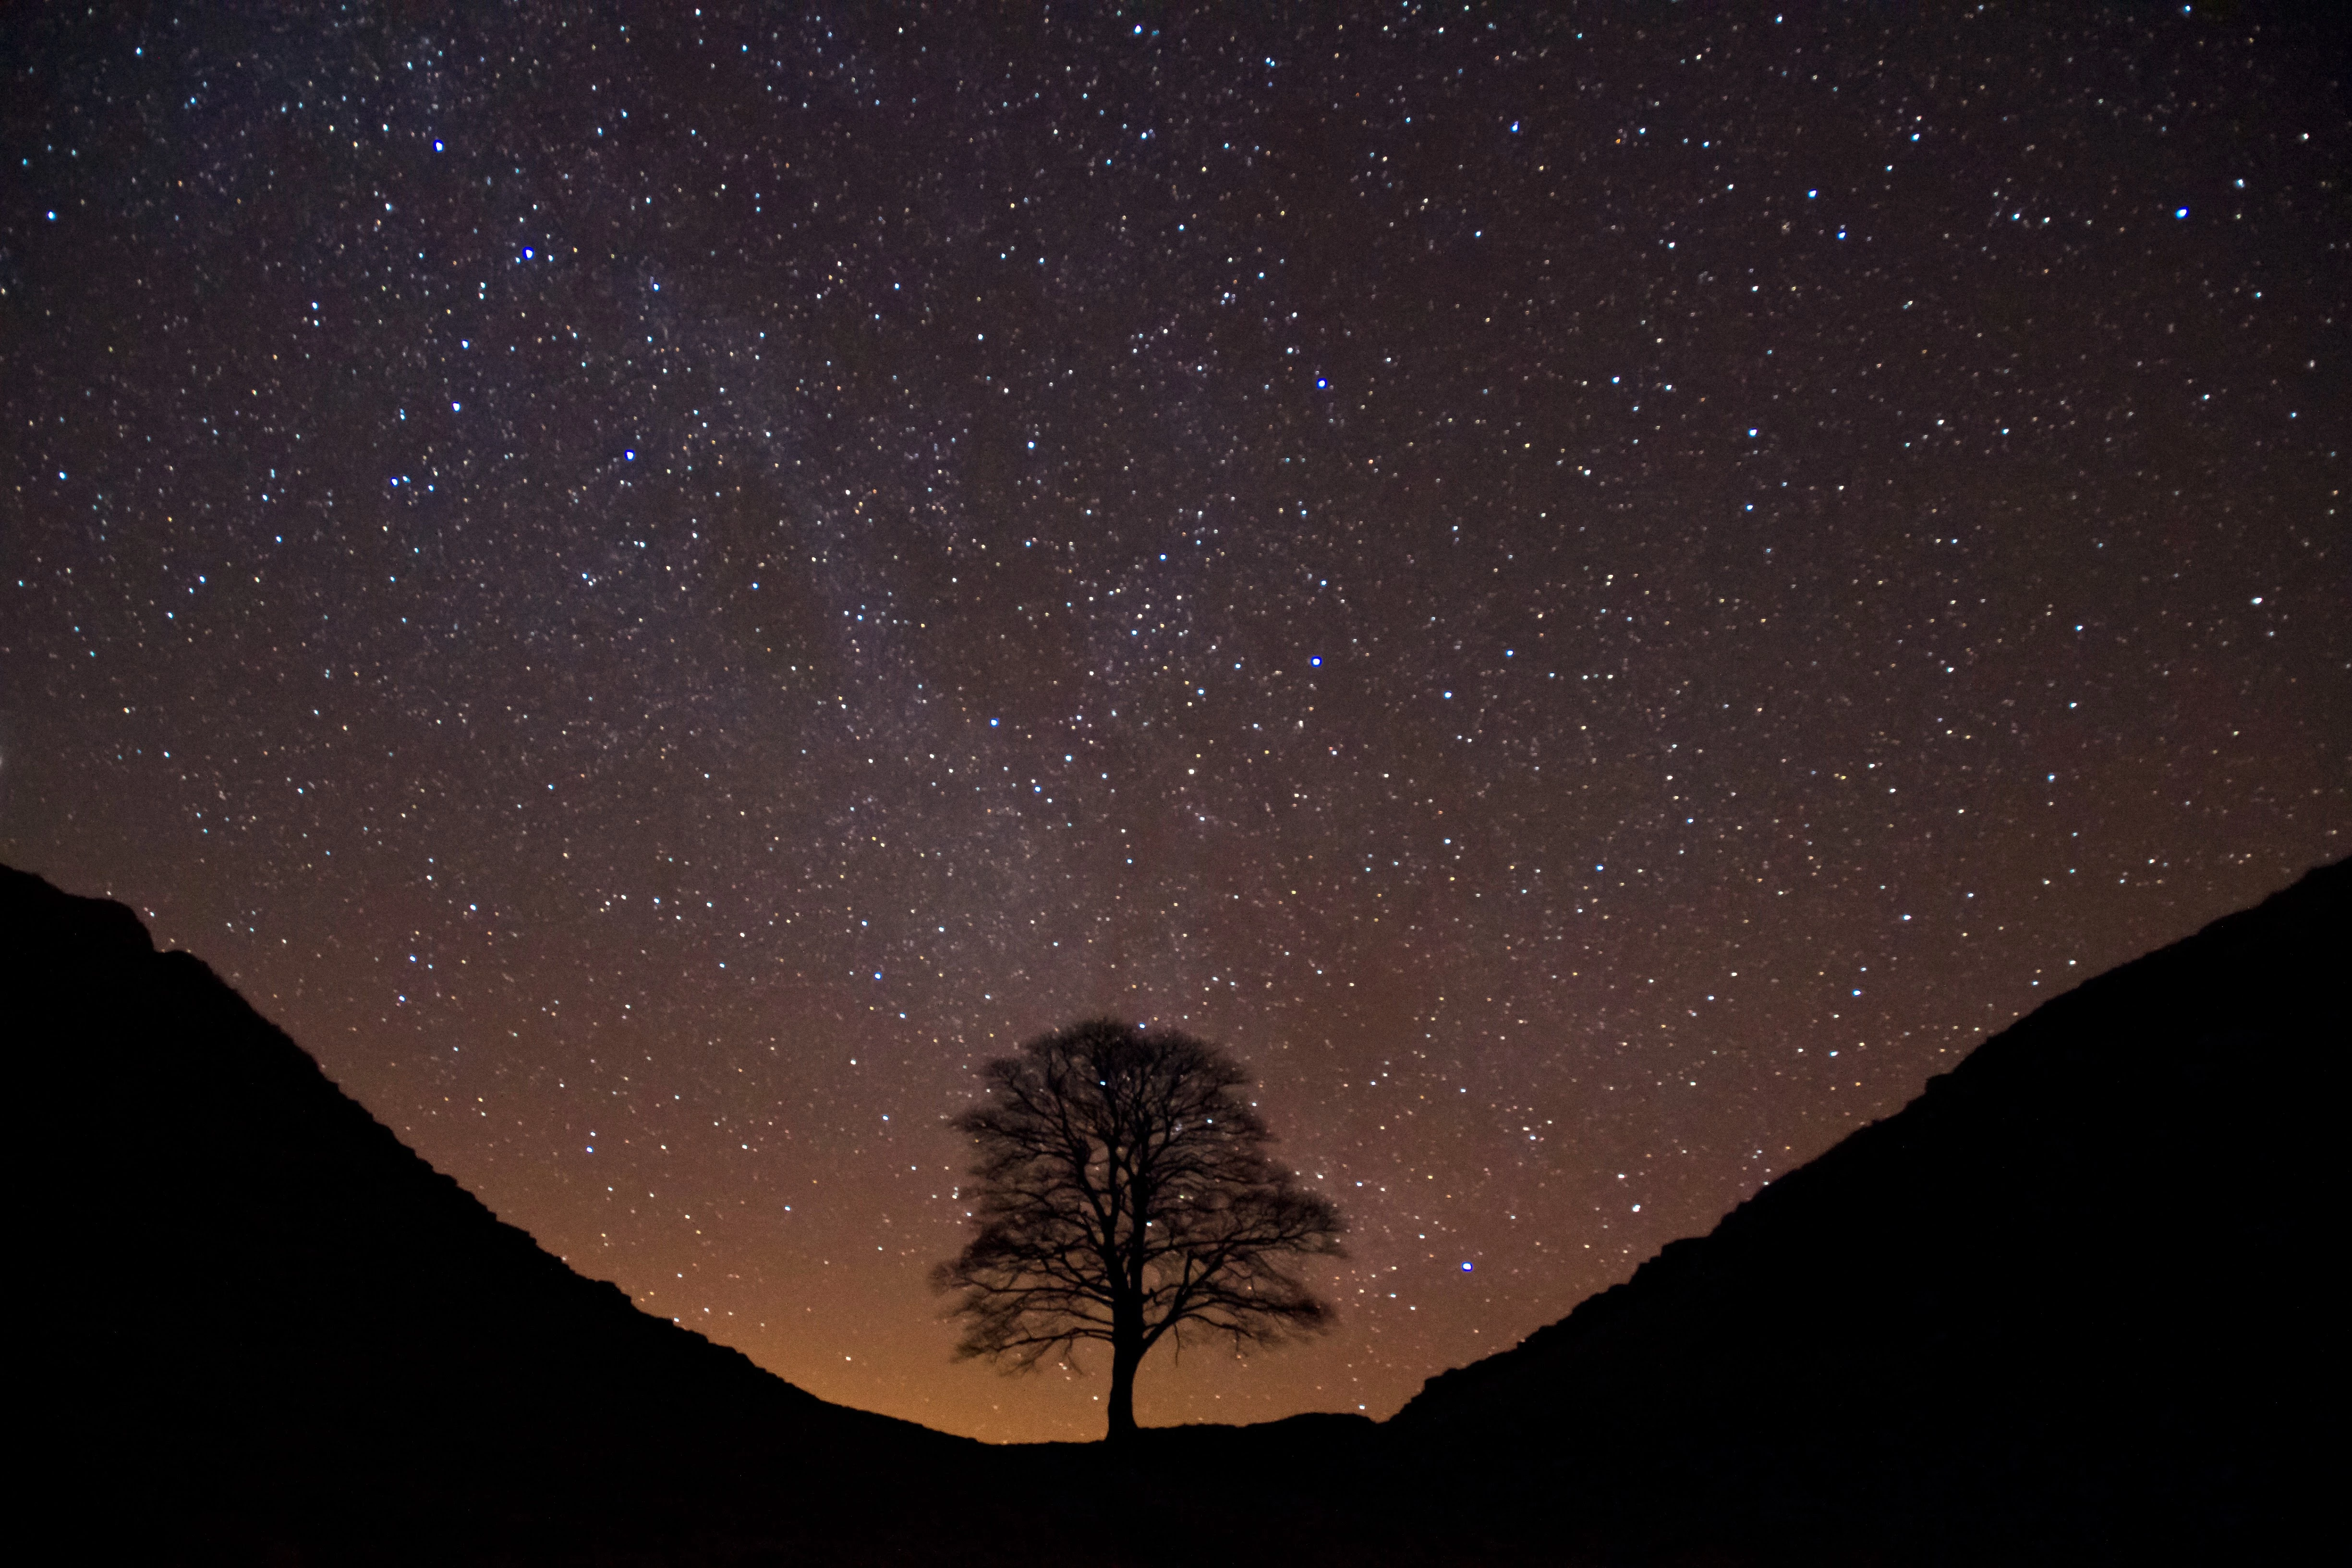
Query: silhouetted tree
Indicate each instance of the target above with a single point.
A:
(1123, 1194)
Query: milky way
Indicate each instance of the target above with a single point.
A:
(1598, 598)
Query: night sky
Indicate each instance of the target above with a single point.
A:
(1597, 596)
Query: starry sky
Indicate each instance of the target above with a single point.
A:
(1597, 594)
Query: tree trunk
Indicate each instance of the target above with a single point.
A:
(1125, 1355)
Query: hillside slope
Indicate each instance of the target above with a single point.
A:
(2067, 1305)
(260, 1318)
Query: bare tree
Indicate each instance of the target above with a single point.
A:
(1123, 1194)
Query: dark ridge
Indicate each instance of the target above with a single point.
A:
(2063, 1307)
(263, 1324)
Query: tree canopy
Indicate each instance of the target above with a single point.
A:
(1123, 1193)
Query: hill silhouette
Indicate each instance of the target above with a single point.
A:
(2066, 1306)
(265, 1325)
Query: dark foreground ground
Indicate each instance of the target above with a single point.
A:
(2065, 1308)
